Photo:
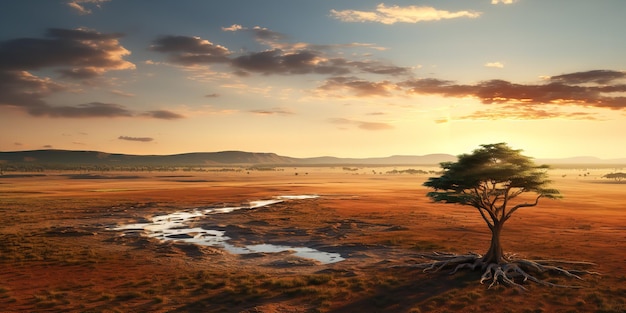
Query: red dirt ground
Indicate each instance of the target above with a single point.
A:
(56, 253)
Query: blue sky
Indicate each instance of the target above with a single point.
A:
(351, 78)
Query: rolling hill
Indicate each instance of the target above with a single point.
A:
(73, 158)
(96, 158)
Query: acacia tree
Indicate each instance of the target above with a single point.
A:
(617, 176)
(493, 180)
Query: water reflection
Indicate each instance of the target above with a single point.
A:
(175, 226)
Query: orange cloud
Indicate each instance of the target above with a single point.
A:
(526, 113)
(274, 111)
(597, 88)
(81, 5)
(358, 87)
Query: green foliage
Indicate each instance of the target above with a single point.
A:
(617, 176)
(489, 178)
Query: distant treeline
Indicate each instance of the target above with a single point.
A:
(395, 171)
(411, 171)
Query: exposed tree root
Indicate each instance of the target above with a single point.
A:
(511, 273)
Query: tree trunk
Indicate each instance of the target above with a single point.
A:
(495, 255)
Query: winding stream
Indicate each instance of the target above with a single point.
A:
(176, 226)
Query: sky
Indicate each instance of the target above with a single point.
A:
(344, 78)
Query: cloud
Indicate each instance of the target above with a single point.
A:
(281, 59)
(494, 64)
(374, 125)
(362, 124)
(273, 111)
(162, 114)
(25, 91)
(309, 62)
(357, 87)
(122, 93)
(277, 62)
(80, 52)
(93, 109)
(260, 34)
(396, 14)
(595, 76)
(522, 112)
(73, 54)
(190, 50)
(140, 139)
(81, 6)
(598, 88)
(212, 95)
(232, 28)
(502, 1)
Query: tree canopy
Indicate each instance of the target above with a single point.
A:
(617, 176)
(488, 179)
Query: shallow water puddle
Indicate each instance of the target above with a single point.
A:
(175, 226)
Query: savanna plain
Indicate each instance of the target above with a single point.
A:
(60, 250)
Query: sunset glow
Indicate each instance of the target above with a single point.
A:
(314, 78)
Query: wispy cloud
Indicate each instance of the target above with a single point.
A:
(336, 86)
(397, 14)
(122, 93)
(523, 112)
(494, 64)
(92, 109)
(162, 114)
(362, 124)
(139, 139)
(260, 34)
(273, 111)
(502, 1)
(83, 6)
(232, 28)
(595, 76)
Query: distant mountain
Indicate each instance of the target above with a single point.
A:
(429, 159)
(95, 158)
(71, 158)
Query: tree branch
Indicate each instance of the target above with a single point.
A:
(522, 205)
(489, 223)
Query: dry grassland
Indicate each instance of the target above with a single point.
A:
(58, 255)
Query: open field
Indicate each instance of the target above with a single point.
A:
(57, 252)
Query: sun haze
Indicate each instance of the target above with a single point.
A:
(310, 78)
